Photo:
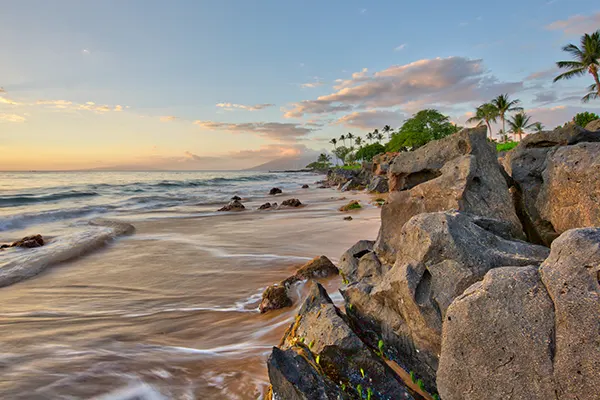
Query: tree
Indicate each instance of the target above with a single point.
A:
(350, 137)
(375, 134)
(342, 152)
(358, 141)
(323, 162)
(503, 104)
(343, 139)
(334, 143)
(368, 152)
(379, 137)
(387, 129)
(538, 126)
(485, 114)
(585, 59)
(421, 128)
(324, 158)
(370, 137)
(584, 118)
(519, 123)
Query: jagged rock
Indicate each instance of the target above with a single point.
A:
(440, 255)
(360, 262)
(267, 206)
(275, 297)
(540, 325)
(348, 218)
(236, 198)
(29, 242)
(497, 339)
(305, 186)
(593, 126)
(457, 172)
(352, 205)
(291, 203)
(318, 267)
(341, 352)
(378, 184)
(570, 195)
(527, 165)
(275, 191)
(294, 375)
(382, 162)
(352, 184)
(234, 205)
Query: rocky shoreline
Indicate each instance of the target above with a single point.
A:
(484, 281)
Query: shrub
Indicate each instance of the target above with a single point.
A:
(584, 118)
(506, 146)
(368, 152)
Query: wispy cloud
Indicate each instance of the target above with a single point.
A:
(577, 24)
(401, 47)
(12, 118)
(168, 118)
(271, 130)
(311, 85)
(233, 106)
(371, 119)
(72, 106)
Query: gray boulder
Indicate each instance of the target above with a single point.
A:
(458, 172)
(440, 255)
(528, 333)
(593, 126)
(234, 205)
(352, 184)
(379, 184)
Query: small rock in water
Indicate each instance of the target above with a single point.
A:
(29, 242)
(275, 191)
(348, 218)
(234, 205)
(274, 297)
(266, 206)
(353, 205)
(236, 198)
(318, 267)
(305, 186)
(292, 203)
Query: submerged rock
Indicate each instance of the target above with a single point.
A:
(234, 205)
(275, 297)
(275, 191)
(291, 203)
(352, 205)
(459, 172)
(348, 218)
(236, 198)
(29, 242)
(318, 267)
(267, 206)
(305, 186)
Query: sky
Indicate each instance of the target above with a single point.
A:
(228, 84)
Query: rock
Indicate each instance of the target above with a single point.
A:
(234, 205)
(236, 198)
(570, 195)
(305, 186)
(348, 218)
(318, 267)
(540, 325)
(593, 126)
(440, 255)
(352, 205)
(349, 261)
(457, 172)
(527, 165)
(266, 206)
(275, 191)
(294, 375)
(275, 297)
(499, 329)
(342, 354)
(382, 162)
(4, 246)
(291, 203)
(29, 242)
(379, 184)
(352, 184)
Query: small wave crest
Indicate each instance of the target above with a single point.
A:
(23, 220)
(19, 264)
(27, 198)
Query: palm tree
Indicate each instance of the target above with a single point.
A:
(585, 60)
(358, 141)
(538, 126)
(350, 137)
(343, 139)
(375, 134)
(503, 105)
(519, 123)
(370, 137)
(387, 129)
(379, 137)
(334, 143)
(485, 114)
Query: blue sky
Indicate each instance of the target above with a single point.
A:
(220, 84)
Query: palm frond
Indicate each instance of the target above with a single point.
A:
(590, 96)
(574, 50)
(570, 74)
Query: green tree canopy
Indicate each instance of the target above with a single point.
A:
(368, 152)
(342, 152)
(584, 59)
(423, 127)
(584, 118)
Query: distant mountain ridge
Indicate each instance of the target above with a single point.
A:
(286, 163)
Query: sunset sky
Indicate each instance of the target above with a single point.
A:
(228, 84)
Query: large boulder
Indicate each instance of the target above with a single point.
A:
(379, 184)
(342, 355)
(360, 263)
(593, 126)
(440, 255)
(352, 184)
(382, 162)
(458, 172)
(291, 203)
(528, 333)
(538, 162)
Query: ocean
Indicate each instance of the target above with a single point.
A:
(144, 291)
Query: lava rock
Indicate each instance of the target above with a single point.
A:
(291, 203)
(234, 205)
(275, 191)
(275, 297)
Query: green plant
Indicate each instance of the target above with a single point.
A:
(413, 377)
(368, 152)
(362, 372)
(354, 206)
(359, 390)
(421, 128)
(585, 59)
(436, 397)
(350, 306)
(343, 386)
(352, 167)
(342, 152)
(506, 146)
(318, 360)
(369, 393)
(380, 345)
(311, 344)
(420, 384)
(584, 118)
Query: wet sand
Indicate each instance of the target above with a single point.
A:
(171, 310)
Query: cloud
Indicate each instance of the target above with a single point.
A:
(12, 118)
(429, 82)
(558, 115)
(545, 97)
(270, 152)
(577, 24)
(311, 85)
(546, 74)
(232, 106)
(401, 47)
(168, 118)
(4, 100)
(86, 52)
(371, 119)
(72, 106)
(271, 130)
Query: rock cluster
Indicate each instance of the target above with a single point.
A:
(28, 242)
(234, 205)
(461, 287)
(291, 203)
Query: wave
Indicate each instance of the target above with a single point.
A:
(23, 220)
(27, 198)
(20, 264)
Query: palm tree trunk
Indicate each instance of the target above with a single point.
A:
(597, 82)
(489, 129)
(520, 135)
(503, 124)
